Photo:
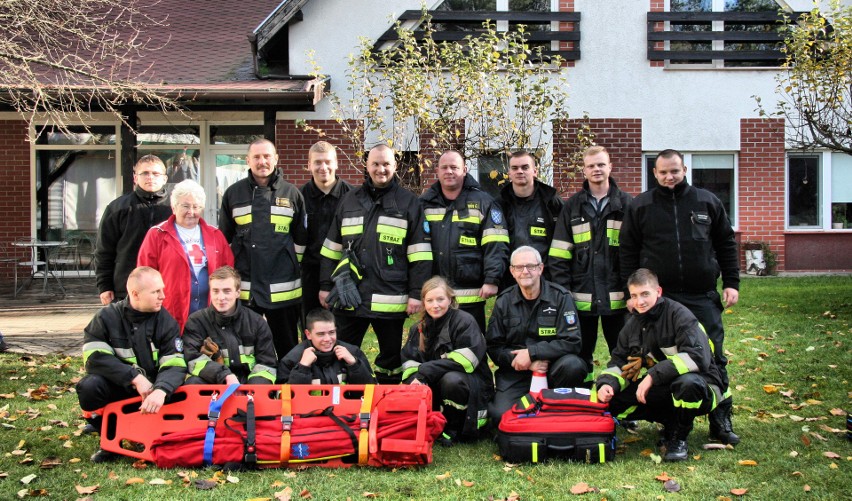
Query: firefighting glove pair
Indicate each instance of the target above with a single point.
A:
(633, 367)
(345, 293)
(211, 349)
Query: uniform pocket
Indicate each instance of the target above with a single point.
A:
(701, 223)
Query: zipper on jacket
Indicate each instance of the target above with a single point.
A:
(677, 239)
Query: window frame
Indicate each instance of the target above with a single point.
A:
(687, 161)
(824, 194)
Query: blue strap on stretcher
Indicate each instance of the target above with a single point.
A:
(213, 418)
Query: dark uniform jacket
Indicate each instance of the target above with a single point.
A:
(327, 369)
(531, 221)
(266, 228)
(244, 340)
(670, 335)
(584, 253)
(386, 230)
(124, 224)
(470, 242)
(454, 344)
(682, 235)
(320, 209)
(549, 329)
(120, 343)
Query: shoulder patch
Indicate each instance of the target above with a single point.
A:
(570, 318)
(426, 227)
(496, 216)
(179, 344)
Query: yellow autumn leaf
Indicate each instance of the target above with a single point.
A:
(747, 462)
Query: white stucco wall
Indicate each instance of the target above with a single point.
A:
(692, 110)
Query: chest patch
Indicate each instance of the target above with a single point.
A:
(282, 202)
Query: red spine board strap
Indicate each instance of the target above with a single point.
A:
(286, 422)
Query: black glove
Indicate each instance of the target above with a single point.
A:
(345, 292)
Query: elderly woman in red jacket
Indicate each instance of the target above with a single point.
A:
(185, 250)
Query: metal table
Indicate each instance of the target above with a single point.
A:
(48, 247)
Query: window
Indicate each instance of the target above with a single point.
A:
(714, 172)
(819, 191)
(491, 171)
(76, 175)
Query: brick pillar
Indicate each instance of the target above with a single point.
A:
(293, 143)
(567, 6)
(658, 6)
(761, 184)
(622, 137)
(15, 204)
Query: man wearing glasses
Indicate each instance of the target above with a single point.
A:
(534, 328)
(125, 223)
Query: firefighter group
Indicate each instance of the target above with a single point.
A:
(286, 288)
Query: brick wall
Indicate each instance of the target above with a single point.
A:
(15, 179)
(622, 137)
(761, 185)
(293, 143)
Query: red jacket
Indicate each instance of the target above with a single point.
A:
(163, 251)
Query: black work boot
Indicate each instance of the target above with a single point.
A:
(102, 456)
(676, 447)
(721, 427)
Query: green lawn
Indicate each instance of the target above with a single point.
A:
(788, 343)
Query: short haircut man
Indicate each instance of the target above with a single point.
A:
(530, 208)
(323, 359)
(114, 369)
(263, 218)
(124, 224)
(381, 225)
(322, 194)
(534, 328)
(470, 241)
(227, 343)
(683, 234)
(583, 256)
(682, 379)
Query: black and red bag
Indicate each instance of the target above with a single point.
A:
(564, 423)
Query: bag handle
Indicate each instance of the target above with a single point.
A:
(216, 403)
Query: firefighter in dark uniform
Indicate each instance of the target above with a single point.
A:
(322, 359)
(683, 234)
(534, 328)
(682, 380)
(446, 350)
(263, 217)
(125, 223)
(584, 253)
(322, 196)
(530, 207)
(470, 242)
(380, 232)
(227, 343)
(131, 348)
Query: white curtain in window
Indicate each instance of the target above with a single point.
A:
(841, 178)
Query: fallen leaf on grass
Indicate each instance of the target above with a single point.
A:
(232, 479)
(818, 436)
(663, 477)
(277, 484)
(159, 481)
(825, 427)
(86, 490)
(747, 462)
(656, 459)
(206, 484)
(581, 488)
(806, 440)
(305, 494)
(51, 462)
(831, 455)
(284, 495)
(68, 444)
(468, 483)
(33, 493)
(794, 454)
(837, 412)
(671, 486)
(796, 418)
(74, 460)
(807, 488)
(770, 388)
(739, 492)
(371, 495)
(134, 481)
(140, 464)
(833, 466)
(713, 446)
(443, 476)
(29, 478)
(646, 452)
